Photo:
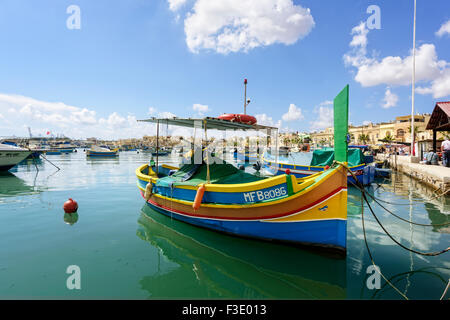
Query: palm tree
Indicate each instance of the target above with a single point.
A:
(416, 131)
(363, 138)
(388, 138)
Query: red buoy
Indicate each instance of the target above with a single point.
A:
(288, 171)
(327, 167)
(70, 206)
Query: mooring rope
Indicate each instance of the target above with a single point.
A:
(398, 217)
(363, 193)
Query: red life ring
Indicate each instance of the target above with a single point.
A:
(242, 118)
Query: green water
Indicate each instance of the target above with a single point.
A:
(125, 250)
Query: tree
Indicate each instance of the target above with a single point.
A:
(416, 131)
(363, 138)
(388, 138)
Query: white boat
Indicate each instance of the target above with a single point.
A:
(11, 155)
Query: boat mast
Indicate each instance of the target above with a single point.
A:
(208, 177)
(413, 83)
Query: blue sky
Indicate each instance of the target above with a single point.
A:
(135, 57)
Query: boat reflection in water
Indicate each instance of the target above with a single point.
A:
(11, 186)
(214, 265)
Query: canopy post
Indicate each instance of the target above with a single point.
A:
(157, 147)
(434, 140)
(208, 177)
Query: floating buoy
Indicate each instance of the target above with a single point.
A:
(198, 197)
(327, 167)
(288, 171)
(70, 206)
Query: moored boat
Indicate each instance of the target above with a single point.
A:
(322, 158)
(11, 155)
(220, 197)
(96, 151)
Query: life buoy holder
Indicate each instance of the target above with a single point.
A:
(236, 117)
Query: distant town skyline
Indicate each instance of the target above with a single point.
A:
(92, 68)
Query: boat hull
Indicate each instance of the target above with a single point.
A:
(90, 153)
(9, 159)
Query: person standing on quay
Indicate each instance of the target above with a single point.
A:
(445, 148)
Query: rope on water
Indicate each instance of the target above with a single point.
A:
(398, 217)
(363, 192)
(50, 162)
(445, 291)
(370, 253)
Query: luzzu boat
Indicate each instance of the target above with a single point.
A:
(320, 160)
(220, 197)
(96, 151)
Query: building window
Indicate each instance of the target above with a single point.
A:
(400, 133)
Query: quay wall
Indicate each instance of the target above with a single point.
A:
(436, 176)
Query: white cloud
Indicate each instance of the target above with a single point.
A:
(200, 108)
(241, 25)
(325, 118)
(444, 29)
(439, 88)
(265, 120)
(390, 99)
(391, 70)
(294, 113)
(166, 114)
(151, 111)
(326, 103)
(174, 5)
(60, 118)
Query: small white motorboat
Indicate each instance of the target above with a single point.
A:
(11, 155)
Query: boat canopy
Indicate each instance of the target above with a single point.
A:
(325, 157)
(211, 123)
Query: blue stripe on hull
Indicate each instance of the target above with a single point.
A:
(328, 233)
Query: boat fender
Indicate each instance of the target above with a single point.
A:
(198, 197)
(148, 190)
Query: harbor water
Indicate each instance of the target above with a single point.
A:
(125, 250)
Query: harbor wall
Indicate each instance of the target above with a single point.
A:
(436, 176)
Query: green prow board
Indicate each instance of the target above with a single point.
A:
(341, 126)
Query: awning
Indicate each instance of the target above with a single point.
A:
(211, 123)
(439, 119)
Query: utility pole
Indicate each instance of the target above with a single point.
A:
(245, 96)
(413, 153)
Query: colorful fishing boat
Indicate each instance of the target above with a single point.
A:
(220, 197)
(321, 159)
(96, 151)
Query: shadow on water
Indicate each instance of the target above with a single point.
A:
(214, 265)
